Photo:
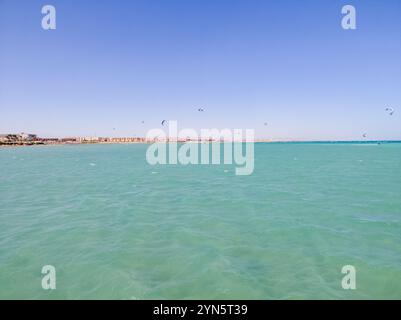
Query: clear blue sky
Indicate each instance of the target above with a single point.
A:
(113, 63)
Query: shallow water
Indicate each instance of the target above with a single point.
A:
(116, 227)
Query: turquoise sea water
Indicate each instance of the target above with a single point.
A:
(116, 227)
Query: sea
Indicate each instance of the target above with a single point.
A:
(115, 227)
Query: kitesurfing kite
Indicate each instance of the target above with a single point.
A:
(390, 111)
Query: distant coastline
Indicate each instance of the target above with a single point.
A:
(15, 140)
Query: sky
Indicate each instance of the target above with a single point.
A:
(112, 64)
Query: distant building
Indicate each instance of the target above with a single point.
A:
(50, 140)
(69, 140)
(3, 138)
(10, 138)
(126, 140)
(89, 139)
(28, 137)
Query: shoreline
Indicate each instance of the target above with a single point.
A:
(378, 142)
